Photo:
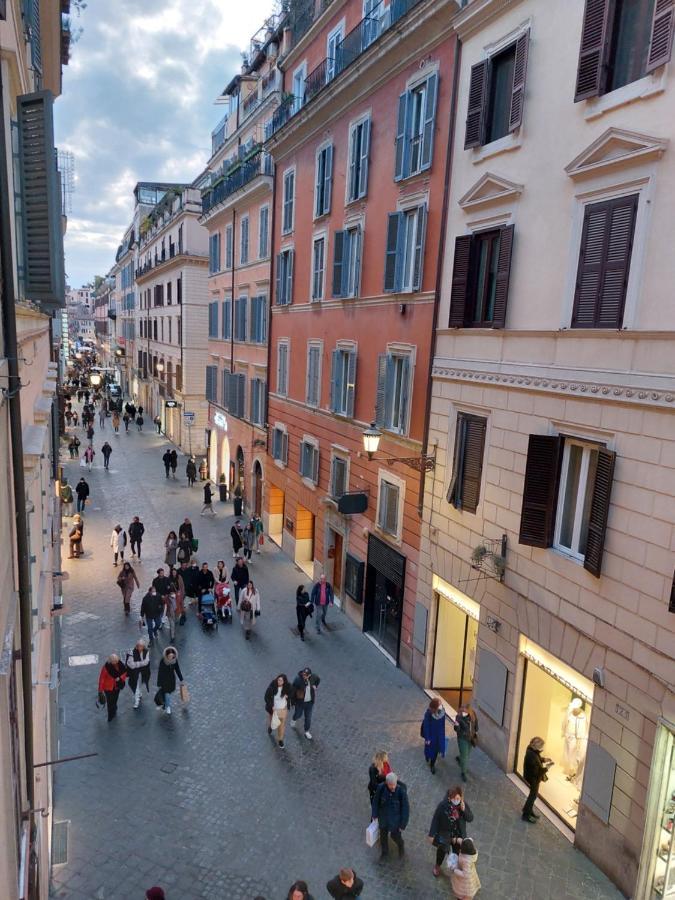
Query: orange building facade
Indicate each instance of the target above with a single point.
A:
(360, 144)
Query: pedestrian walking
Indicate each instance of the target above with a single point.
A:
(82, 491)
(240, 578)
(208, 498)
(303, 608)
(152, 610)
(171, 547)
(220, 573)
(75, 538)
(180, 592)
(157, 422)
(74, 447)
(167, 673)
(162, 584)
(174, 463)
(140, 411)
(184, 550)
(305, 686)
(118, 541)
(138, 670)
(185, 530)
(75, 418)
(448, 825)
(466, 728)
(237, 538)
(136, 532)
(126, 581)
(90, 432)
(126, 418)
(205, 580)
(391, 809)
(171, 612)
(299, 891)
(191, 471)
(433, 732)
(345, 884)
(111, 680)
(68, 415)
(139, 422)
(66, 494)
(464, 878)
(377, 772)
(106, 450)
(248, 538)
(322, 598)
(89, 455)
(535, 770)
(258, 532)
(277, 704)
(116, 422)
(249, 608)
(101, 418)
(166, 459)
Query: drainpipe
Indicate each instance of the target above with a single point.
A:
(269, 311)
(234, 256)
(439, 271)
(10, 350)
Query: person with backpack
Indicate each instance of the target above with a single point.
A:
(391, 809)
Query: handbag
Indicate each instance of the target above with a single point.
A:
(100, 699)
(276, 721)
(257, 612)
(184, 692)
(372, 833)
(261, 540)
(195, 544)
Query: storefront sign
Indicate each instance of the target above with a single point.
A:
(220, 421)
(171, 404)
(576, 686)
(466, 604)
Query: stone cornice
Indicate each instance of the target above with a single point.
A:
(475, 15)
(180, 259)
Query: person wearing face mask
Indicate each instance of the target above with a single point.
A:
(466, 727)
(448, 825)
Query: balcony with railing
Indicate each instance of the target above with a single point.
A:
(258, 164)
(218, 135)
(379, 20)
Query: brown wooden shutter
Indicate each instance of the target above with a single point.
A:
(503, 275)
(540, 490)
(461, 270)
(597, 521)
(472, 468)
(661, 41)
(478, 94)
(519, 75)
(592, 51)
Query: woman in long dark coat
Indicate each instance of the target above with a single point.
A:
(433, 732)
(167, 673)
(303, 608)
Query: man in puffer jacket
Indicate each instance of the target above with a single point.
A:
(392, 811)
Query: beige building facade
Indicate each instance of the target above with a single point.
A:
(548, 544)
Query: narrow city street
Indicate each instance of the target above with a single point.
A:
(204, 803)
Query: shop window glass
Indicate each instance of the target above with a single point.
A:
(455, 653)
(657, 868)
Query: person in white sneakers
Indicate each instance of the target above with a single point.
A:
(118, 542)
(138, 670)
(304, 697)
(167, 673)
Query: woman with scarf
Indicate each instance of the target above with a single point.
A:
(433, 732)
(111, 680)
(167, 673)
(126, 581)
(448, 825)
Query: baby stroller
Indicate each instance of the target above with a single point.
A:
(223, 602)
(206, 610)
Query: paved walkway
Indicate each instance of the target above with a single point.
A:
(203, 802)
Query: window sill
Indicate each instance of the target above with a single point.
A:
(386, 535)
(654, 83)
(309, 483)
(568, 554)
(279, 464)
(504, 145)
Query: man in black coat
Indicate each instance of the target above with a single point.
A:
(240, 578)
(162, 584)
(136, 531)
(190, 576)
(166, 459)
(152, 610)
(535, 770)
(391, 809)
(305, 686)
(237, 536)
(345, 884)
(82, 491)
(205, 580)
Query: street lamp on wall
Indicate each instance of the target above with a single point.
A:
(371, 440)
(371, 443)
(160, 367)
(95, 379)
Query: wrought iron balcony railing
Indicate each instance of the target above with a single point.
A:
(260, 164)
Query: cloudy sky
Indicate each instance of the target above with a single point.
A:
(137, 105)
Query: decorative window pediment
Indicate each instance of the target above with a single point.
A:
(490, 189)
(615, 148)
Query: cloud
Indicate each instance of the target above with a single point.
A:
(137, 105)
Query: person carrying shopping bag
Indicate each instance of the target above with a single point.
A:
(464, 878)
(138, 670)
(249, 608)
(167, 673)
(448, 825)
(277, 704)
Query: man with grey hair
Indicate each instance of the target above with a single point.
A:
(391, 809)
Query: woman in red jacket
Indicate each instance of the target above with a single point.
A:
(110, 683)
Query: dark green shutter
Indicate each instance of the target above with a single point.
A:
(599, 512)
(429, 122)
(339, 246)
(595, 33)
(392, 264)
(503, 276)
(540, 490)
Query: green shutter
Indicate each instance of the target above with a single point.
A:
(429, 122)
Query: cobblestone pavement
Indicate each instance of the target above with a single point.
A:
(203, 802)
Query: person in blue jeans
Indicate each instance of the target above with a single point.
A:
(152, 609)
(304, 698)
(322, 598)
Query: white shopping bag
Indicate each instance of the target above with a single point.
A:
(83, 462)
(276, 721)
(373, 833)
(451, 861)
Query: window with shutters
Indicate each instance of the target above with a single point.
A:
(243, 244)
(179, 289)
(288, 204)
(213, 319)
(339, 476)
(214, 253)
(169, 289)
(415, 128)
(394, 388)
(235, 401)
(347, 262)
(467, 467)
(318, 267)
(621, 42)
(284, 277)
(566, 497)
(282, 368)
(480, 279)
(496, 94)
(359, 149)
(259, 319)
(404, 252)
(229, 247)
(258, 389)
(309, 460)
(212, 383)
(323, 181)
(313, 387)
(227, 319)
(389, 506)
(225, 383)
(264, 232)
(280, 445)
(343, 378)
(240, 317)
(604, 263)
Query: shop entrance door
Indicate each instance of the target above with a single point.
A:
(337, 563)
(454, 653)
(257, 488)
(383, 608)
(304, 540)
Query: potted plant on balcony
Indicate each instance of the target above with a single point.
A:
(222, 487)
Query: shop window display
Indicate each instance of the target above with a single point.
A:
(455, 648)
(557, 710)
(657, 872)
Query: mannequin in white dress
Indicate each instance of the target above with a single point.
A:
(575, 732)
